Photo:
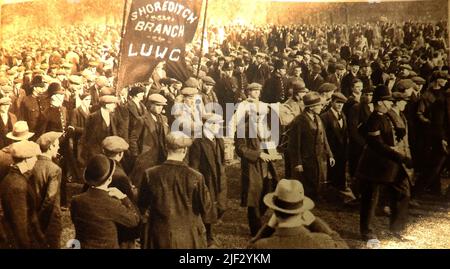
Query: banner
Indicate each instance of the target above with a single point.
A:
(156, 31)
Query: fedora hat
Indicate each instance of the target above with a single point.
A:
(289, 197)
(99, 169)
(312, 99)
(20, 132)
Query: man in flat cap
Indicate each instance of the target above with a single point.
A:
(326, 91)
(46, 182)
(77, 124)
(99, 125)
(432, 113)
(114, 148)
(138, 112)
(207, 155)
(335, 124)
(100, 82)
(337, 76)
(208, 91)
(240, 78)
(97, 212)
(314, 79)
(7, 120)
(308, 150)
(175, 217)
(295, 102)
(148, 136)
(18, 198)
(258, 71)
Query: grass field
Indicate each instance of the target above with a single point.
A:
(428, 227)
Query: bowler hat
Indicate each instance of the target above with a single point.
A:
(382, 93)
(99, 169)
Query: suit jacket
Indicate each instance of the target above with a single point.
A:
(313, 83)
(96, 215)
(46, 182)
(94, 133)
(258, 73)
(257, 177)
(20, 219)
(346, 84)
(30, 110)
(121, 181)
(177, 198)
(274, 90)
(4, 130)
(332, 78)
(299, 238)
(95, 102)
(308, 146)
(208, 158)
(151, 143)
(52, 120)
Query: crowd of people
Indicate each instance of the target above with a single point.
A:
(362, 111)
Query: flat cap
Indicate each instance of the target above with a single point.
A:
(108, 99)
(327, 87)
(406, 66)
(106, 91)
(419, 80)
(115, 144)
(340, 67)
(178, 140)
(254, 87)
(212, 118)
(192, 83)
(47, 139)
(24, 149)
(404, 84)
(78, 80)
(338, 97)
(5, 101)
(158, 99)
(189, 91)
(209, 81)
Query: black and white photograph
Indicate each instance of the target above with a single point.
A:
(224, 124)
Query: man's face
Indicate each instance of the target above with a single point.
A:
(229, 73)
(404, 73)
(140, 96)
(214, 128)
(156, 109)
(354, 69)
(368, 97)
(401, 105)
(57, 100)
(441, 82)
(254, 94)
(4, 108)
(259, 59)
(111, 107)
(357, 88)
(87, 101)
(207, 88)
(297, 72)
(337, 106)
(316, 109)
(282, 72)
(54, 149)
(387, 104)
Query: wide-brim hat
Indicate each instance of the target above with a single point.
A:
(288, 197)
(99, 169)
(20, 132)
(312, 99)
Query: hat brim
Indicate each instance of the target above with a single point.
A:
(308, 204)
(19, 138)
(112, 168)
(316, 104)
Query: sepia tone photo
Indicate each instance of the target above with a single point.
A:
(224, 124)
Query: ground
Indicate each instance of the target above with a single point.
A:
(428, 228)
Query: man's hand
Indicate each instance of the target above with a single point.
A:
(299, 168)
(116, 193)
(332, 162)
(445, 146)
(265, 157)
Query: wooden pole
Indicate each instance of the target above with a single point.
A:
(203, 37)
(125, 9)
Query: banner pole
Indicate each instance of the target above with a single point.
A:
(203, 36)
(125, 7)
